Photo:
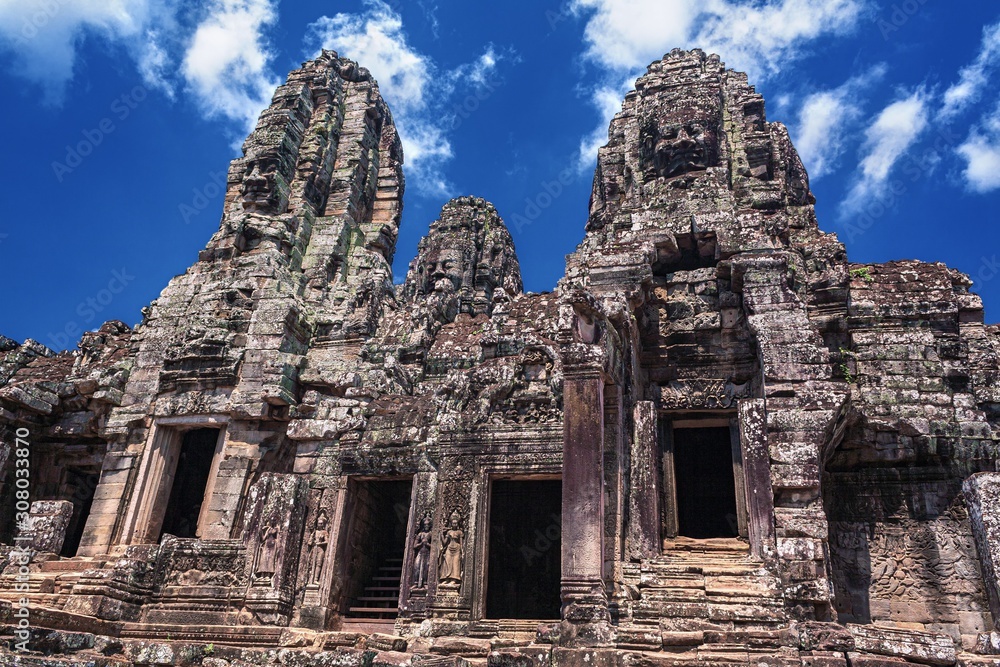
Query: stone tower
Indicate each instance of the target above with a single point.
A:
(716, 441)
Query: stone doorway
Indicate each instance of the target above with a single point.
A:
(80, 484)
(373, 550)
(524, 562)
(190, 480)
(703, 482)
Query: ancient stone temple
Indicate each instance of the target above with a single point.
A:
(716, 442)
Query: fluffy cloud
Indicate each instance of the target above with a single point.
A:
(43, 35)
(981, 152)
(227, 63)
(755, 37)
(417, 92)
(224, 63)
(973, 78)
(826, 117)
(893, 132)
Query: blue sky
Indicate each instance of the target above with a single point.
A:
(122, 116)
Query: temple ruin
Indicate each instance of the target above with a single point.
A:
(716, 442)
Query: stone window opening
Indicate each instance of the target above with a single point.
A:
(524, 549)
(704, 495)
(687, 252)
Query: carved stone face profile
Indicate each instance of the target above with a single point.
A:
(442, 272)
(258, 189)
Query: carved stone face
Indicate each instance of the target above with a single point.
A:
(677, 148)
(681, 149)
(258, 188)
(442, 271)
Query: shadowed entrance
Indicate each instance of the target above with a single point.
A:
(706, 491)
(524, 549)
(188, 490)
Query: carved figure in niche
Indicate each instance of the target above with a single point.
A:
(318, 542)
(452, 552)
(258, 188)
(267, 552)
(586, 328)
(422, 551)
(537, 366)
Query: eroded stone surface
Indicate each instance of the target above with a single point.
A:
(330, 449)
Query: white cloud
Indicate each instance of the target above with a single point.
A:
(973, 78)
(623, 36)
(981, 152)
(608, 100)
(416, 91)
(824, 119)
(227, 63)
(894, 131)
(43, 35)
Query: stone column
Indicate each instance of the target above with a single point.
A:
(982, 495)
(643, 539)
(586, 620)
(757, 477)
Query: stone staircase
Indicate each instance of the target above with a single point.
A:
(50, 582)
(380, 599)
(704, 580)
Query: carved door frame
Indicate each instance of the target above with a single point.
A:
(480, 567)
(151, 492)
(667, 424)
(335, 577)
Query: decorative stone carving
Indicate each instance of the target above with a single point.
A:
(703, 287)
(452, 557)
(318, 542)
(266, 561)
(45, 528)
(422, 553)
(674, 149)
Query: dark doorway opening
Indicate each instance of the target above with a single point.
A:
(524, 566)
(80, 486)
(190, 479)
(706, 487)
(374, 548)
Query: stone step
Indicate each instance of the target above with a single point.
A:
(372, 610)
(71, 565)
